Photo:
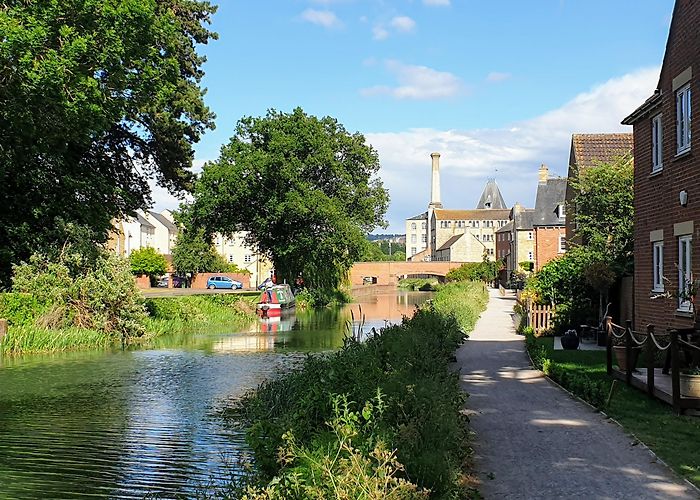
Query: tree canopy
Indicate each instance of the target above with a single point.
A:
(304, 189)
(147, 261)
(97, 96)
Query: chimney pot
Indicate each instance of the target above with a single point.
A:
(544, 174)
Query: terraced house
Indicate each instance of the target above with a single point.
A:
(667, 182)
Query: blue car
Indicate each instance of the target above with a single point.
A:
(223, 282)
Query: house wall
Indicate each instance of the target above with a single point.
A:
(416, 238)
(656, 199)
(162, 236)
(235, 250)
(524, 246)
(547, 244)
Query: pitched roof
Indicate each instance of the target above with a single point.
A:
(450, 242)
(507, 228)
(523, 220)
(549, 196)
(142, 220)
(423, 216)
(164, 220)
(587, 150)
(491, 198)
(483, 214)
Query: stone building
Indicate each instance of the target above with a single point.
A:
(515, 241)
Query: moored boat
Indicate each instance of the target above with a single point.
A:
(274, 299)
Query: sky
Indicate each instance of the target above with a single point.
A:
(496, 87)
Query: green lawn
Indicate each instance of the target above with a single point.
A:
(675, 439)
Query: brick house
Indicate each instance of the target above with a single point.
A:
(549, 218)
(667, 179)
(588, 150)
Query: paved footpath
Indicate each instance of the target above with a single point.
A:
(533, 440)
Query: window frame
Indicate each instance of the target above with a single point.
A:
(657, 256)
(685, 269)
(562, 243)
(657, 143)
(683, 119)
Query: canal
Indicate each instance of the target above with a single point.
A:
(130, 423)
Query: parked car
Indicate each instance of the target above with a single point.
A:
(223, 282)
(177, 281)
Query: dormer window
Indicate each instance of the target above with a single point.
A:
(561, 211)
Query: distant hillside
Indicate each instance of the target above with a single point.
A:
(394, 238)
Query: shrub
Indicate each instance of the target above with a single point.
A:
(20, 309)
(486, 271)
(146, 261)
(407, 366)
(96, 295)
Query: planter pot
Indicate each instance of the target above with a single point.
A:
(690, 386)
(569, 342)
(619, 351)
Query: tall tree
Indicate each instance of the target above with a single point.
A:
(96, 97)
(304, 189)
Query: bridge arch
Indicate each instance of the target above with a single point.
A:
(389, 273)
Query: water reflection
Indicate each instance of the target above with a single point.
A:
(126, 423)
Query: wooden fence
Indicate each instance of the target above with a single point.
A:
(540, 317)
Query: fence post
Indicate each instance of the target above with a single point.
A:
(628, 352)
(651, 349)
(3, 329)
(608, 343)
(529, 312)
(675, 373)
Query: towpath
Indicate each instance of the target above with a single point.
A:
(533, 440)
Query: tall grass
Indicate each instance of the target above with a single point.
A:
(22, 339)
(172, 315)
(408, 367)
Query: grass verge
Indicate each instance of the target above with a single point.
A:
(389, 407)
(673, 438)
(171, 315)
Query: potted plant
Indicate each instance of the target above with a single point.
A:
(690, 382)
(620, 352)
(570, 340)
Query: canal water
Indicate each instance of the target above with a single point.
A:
(126, 424)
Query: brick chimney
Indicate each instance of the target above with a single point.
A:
(544, 174)
(435, 188)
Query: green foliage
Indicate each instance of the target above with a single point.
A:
(408, 365)
(147, 261)
(97, 97)
(486, 271)
(378, 250)
(422, 284)
(451, 299)
(604, 214)
(304, 189)
(76, 293)
(591, 389)
(346, 462)
(527, 265)
(194, 253)
(20, 309)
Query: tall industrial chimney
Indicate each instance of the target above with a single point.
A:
(435, 190)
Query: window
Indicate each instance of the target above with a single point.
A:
(529, 256)
(413, 226)
(424, 238)
(658, 266)
(476, 223)
(230, 258)
(657, 142)
(529, 235)
(413, 251)
(562, 244)
(248, 258)
(414, 238)
(561, 211)
(683, 114)
(684, 272)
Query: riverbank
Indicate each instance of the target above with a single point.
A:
(381, 416)
(170, 315)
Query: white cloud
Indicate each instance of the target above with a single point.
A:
(496, 76)
(379, 32)
(325, 18)
(511, 154)
(417, 82)
(437, 3)
(403, 24)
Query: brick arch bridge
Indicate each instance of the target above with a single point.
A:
(389, 273)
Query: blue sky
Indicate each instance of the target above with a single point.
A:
(496, 87)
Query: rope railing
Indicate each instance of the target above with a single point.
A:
(638, 342)
(653, 338)
(688, 344)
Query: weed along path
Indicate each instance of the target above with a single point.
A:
(533, 440)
